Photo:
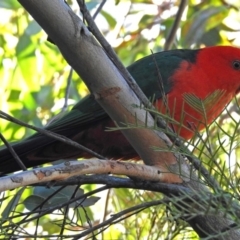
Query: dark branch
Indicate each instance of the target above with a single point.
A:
(172, 34)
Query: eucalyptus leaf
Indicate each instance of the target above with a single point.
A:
(33, 28)
(32, 202)
(197, 26)
(89, 201)
(12, 204)
(110, 19)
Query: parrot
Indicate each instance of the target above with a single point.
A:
(199, 73)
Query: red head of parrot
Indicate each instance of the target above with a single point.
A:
(202, 87)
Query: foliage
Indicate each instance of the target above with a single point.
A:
(33, 79)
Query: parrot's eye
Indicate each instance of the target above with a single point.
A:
(236, 64)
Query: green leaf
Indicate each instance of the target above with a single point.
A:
(92, 4)
(89, 201)
(111, 21)
(40, 194)
(29, 102)
(33, 28)
(146, 20)
(10, 4)
(25, 46)
(27, 63)
(32, 202)
(12, 204)
(202, 21)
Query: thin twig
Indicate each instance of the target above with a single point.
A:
(39, 208)
(172, 34)
(160, 83)
(99, 9)
(69, 80)
(39, 213)
(110, 221)
(14, 154)
(106, 204)
(48, 133)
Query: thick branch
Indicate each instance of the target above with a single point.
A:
(73, 168)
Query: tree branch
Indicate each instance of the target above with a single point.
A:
(172, 34)
(73, 168)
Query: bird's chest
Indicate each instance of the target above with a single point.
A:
(189, 113)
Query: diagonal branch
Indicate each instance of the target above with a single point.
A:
(73, 168)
